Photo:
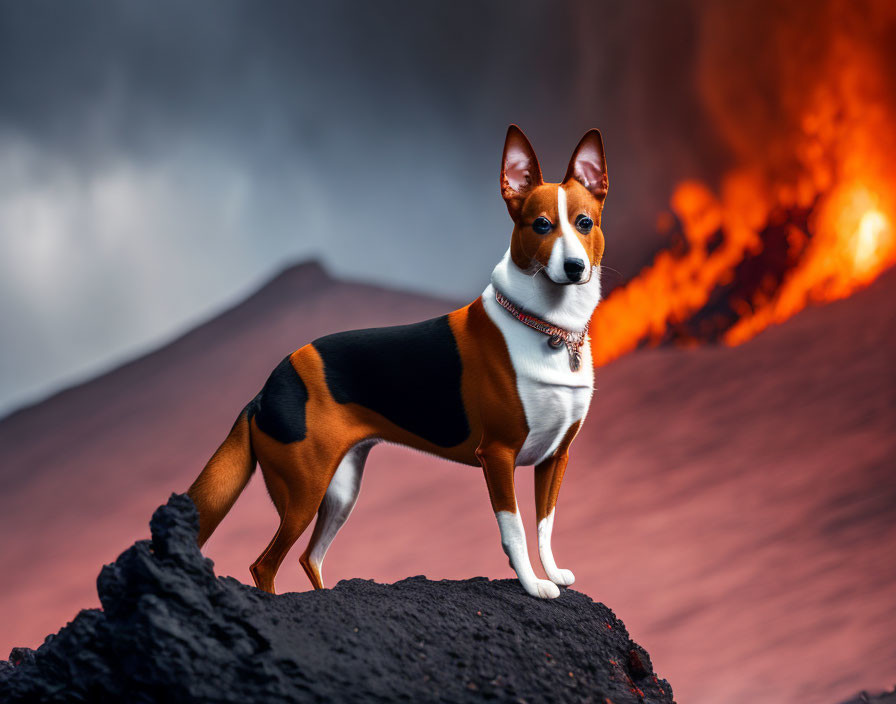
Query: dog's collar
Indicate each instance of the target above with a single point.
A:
(556, 336)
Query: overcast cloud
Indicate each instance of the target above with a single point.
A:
(159, 160)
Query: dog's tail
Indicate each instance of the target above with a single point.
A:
(225, 476)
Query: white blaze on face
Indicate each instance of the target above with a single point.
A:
(567, 246)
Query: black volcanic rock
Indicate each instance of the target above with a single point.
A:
(170, 630)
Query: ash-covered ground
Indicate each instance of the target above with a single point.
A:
(170, 630)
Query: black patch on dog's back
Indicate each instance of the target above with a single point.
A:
(410, 374)
(279, 409)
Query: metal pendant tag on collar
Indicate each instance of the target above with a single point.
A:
(574, 341)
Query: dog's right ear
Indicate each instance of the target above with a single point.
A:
(520, 172)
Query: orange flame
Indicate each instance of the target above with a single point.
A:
(817, 203)
(852, 245)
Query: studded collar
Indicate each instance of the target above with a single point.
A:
(557, 336)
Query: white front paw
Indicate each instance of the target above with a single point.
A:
(563, 577)
(543, 589)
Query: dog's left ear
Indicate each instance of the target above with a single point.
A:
(588, 165)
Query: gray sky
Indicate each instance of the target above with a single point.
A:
(159, 160)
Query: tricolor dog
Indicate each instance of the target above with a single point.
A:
(503, 382)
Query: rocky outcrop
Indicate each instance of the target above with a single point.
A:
(170, 630)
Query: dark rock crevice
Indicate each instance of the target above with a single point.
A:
(170, 630)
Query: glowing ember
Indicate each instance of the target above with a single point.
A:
(850, 247)
(873, 228)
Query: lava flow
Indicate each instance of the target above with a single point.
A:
(806, 215)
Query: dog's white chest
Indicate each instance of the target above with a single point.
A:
(553, 396)
(550, 411)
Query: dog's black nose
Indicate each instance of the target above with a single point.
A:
(574, 268)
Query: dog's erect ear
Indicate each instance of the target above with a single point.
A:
(520, 172)
(588, 165)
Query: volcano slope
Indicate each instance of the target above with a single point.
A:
(736, 506)
(170, 630)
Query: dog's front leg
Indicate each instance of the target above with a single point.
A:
(498, 464)
(548, 476)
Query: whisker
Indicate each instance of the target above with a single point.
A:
(615, 271)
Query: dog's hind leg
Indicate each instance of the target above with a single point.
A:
(340, 499)
(292, 525)
(297, 497)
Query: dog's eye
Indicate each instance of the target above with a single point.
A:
(584, 224)
(542, 225)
